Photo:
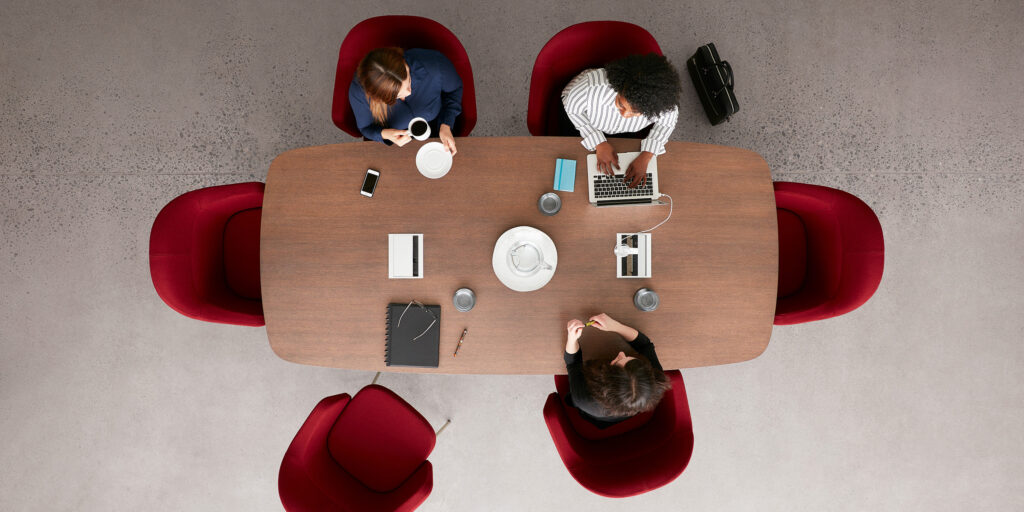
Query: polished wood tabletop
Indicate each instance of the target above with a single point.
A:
(324, 255)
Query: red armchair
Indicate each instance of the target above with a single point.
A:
(585, 45)
(404, 32)
(204, 254)
(831, 252)
(638, 455)
(365, 454)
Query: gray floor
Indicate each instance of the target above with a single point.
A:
(111, 401)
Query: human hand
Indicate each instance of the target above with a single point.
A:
(607, 158)
(445, 132)
(572, 341)
(605, 322)
(636, 173)
(399, 137)
(575, 329)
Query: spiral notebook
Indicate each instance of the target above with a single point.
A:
(400, 349)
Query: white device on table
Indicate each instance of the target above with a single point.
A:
(405, 256)
(369, 182)
(611, 191)
(633, 252)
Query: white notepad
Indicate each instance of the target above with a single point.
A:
(405, 256)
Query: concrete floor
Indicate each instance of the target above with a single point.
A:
(109, 400)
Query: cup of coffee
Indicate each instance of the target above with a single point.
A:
(419, 128)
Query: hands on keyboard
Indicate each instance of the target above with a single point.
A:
(613, 186)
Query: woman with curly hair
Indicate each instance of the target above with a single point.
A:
(625, 96)
(392, 86)
(607, 392)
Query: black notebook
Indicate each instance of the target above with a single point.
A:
(400, 349)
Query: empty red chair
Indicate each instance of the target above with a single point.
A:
(366, 454)
(638, 455)
(404, 32)
(831, 252)
(204, 254)
(582, 46)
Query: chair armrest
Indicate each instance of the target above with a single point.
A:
(408, 496)
(572, 448)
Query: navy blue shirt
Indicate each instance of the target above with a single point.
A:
(436, 96)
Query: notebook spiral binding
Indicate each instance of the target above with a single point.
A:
(387, 335)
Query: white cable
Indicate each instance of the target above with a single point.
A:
(621, 244)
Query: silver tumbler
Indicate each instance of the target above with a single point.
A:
(464, 299)
(645, 300)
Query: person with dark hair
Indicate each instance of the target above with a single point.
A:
(609, 391)
(625, 96)
(392, 86)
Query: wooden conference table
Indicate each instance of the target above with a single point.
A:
(324, 255)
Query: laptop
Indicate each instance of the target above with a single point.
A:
(611, 191)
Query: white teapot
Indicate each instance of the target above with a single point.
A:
(526, 259)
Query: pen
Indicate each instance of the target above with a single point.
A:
(457, 347)
(592, 322)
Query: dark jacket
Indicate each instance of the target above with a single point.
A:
(436, 96)
(581, 397)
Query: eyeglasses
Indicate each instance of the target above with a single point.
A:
(422, 307)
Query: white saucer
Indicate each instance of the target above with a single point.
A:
(518, 281)
(433, 160)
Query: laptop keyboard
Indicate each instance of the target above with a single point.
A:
(612, 186)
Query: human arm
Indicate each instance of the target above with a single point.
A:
(637, 340)
(361, 109)
(451, 92)
(636, 172)
(574, 365)
(643, 346)
(400, 137)
(368, 125)
(572, 339)
(654, 144)
(445, 133)
(576, 99)
(606, 323)
(660, 132)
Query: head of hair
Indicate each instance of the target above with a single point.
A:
(380, 74)
(648, 82)
(625, 390)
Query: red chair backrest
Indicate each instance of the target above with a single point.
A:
(186, 254)
(632, 461)
(405, 32)
(845, 252)
(585, 45)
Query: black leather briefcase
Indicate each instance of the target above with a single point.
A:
(712, 77)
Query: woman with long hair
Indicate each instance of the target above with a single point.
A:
(392, 86)
(608, 391)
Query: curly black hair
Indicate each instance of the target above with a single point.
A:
(648, 82)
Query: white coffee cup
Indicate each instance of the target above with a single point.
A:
(419, 128)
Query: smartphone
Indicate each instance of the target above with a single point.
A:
(370, 182)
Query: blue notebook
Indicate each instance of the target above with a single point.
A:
(565, 175)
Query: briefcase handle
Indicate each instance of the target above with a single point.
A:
(728, 72)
